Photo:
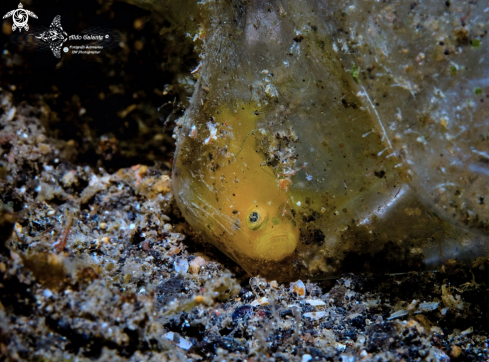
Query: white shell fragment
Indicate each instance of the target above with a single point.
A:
(399, 313)
(315, 315)
(315, 302)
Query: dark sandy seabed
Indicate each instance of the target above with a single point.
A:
(100, 264)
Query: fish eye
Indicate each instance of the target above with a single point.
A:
(254, 216)
(256, 219)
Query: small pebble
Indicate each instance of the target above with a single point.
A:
(196, 264)
(455, 351)
(299, 288)
(167, 227)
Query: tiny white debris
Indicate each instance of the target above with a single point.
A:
(132, 226)
(439, 93)
(11, 114)
(97, 181)
(213, 132)
(469, 330)
(197, 68)
(315, 315)
(366, 134)
(315, 302)
(193, 132)
(47, 293)
(271, 91)
(340, 347)
(306, 358)
(308, 177)
(181, 265)
(298, 203)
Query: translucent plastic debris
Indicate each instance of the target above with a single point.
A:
(325, 138)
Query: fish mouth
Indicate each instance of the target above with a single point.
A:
(276, 245)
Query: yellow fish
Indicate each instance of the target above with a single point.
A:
(234, 190)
